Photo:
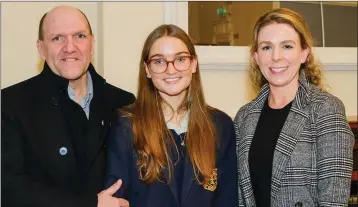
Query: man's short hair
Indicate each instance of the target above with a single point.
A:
(41, 32)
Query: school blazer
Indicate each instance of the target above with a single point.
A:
(122, 165)
(312, 163)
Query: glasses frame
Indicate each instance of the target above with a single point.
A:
(191, 57)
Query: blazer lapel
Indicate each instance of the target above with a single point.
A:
(188, 180)
(247, 131)
(289, 136)
(172, 185)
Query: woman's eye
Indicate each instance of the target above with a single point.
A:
(266, 47)
(181, 59)
(159, 61)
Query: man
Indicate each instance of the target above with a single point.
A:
(54, 125)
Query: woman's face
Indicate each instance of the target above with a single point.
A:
(171, 79)
(279, 54)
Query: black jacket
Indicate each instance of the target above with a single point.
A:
(51, 154)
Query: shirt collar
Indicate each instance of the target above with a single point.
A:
(88, 97)
(183, 126)
(57, 82)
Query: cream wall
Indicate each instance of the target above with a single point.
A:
(228, 90)
(120, 29)
(125, 27)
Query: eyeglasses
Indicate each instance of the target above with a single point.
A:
(160, 65)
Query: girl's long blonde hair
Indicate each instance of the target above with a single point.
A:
(151, 135)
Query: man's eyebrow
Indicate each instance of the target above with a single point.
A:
(77, 32)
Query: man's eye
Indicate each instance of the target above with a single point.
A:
(81, 36)
(57, 38)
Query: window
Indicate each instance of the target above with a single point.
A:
(215, 52)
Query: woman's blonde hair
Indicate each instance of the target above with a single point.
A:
(312, 70)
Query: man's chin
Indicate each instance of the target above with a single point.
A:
(73, 76)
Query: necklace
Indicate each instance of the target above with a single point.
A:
(182, 139)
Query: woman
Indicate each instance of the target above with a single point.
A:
(170, 148)
(294, 144)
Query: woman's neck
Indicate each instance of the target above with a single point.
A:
(172, 115)
(279, 97)
(171, 105)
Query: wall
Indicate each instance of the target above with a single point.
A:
(121, 28)
(125, 27)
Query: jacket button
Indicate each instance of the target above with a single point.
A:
(298, 204)
(63, 151)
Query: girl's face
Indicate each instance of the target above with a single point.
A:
(171, 67)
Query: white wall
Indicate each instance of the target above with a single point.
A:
(344, 86)
(120, 30)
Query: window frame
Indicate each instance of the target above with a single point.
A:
(236, 57)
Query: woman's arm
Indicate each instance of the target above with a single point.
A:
(334, 153)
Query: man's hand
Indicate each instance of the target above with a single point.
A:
(105, 198)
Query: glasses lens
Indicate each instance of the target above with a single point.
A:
(182, 63)
(158, 65)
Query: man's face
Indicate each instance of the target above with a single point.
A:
(67, 46)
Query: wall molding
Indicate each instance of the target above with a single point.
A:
(176, 12)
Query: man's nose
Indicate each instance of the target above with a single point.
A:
(70, 45)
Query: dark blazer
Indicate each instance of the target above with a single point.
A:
(40, 129)
(312, 163)
(122, 165)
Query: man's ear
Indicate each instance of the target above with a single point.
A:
(40, 48)
(92, 49)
